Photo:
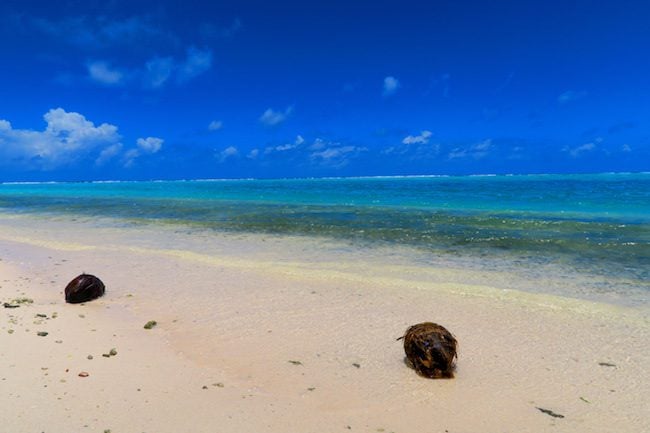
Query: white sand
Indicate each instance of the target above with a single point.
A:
(234, 310)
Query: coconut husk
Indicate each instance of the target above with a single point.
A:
(430, 350)
(84, 288)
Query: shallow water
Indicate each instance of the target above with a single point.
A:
(598, 225)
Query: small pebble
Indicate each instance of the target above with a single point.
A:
(89, 357)
(42, 334)
(112, 352)
(83, 374)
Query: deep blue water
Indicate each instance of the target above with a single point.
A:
(597, 223)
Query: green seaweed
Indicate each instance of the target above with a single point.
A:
(150, 324)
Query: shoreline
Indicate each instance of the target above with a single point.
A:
(233, 312)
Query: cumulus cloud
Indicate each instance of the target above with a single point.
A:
(476, 151)
(98, 33)
(95, 32)
(335, 155)
(149, 145)
(414, 147)
(102, 73)
(253, 154)
(271, 117)
(570, 96)
(286, 146)
(626, 148)
(158, 70)
(228, 152)
(391, 84)
(583, 149)
(215, 125)
(196, 62)
(68, 137)
(319, 143)
(108, 153)
(423, 138)
(578, 151)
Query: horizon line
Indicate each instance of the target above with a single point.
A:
(407, 176)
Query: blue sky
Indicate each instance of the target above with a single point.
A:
(170, 89)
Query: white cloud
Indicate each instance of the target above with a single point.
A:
(271, 117)
(391, 84)
(158, 70)
(335, 155)
(150, 144)
(228, 152)
(319, 143)
(580, 150)
(68, 137)
(98, 32)
(108, 153)
(476, 151)
(570, 96)
(253, 154)
(626, 148)
(101, 72)
(130, 157)
(197, 62)
(423, 138)
(285, 147)
(334, 152)
(215, 125)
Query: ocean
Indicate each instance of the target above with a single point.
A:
(597, 225)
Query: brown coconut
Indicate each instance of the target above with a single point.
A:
(84, 288)
(430, 350)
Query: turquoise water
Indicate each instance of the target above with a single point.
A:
(597, 224)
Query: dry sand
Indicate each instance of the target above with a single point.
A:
(269, 334)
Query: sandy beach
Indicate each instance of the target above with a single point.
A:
(287, 334)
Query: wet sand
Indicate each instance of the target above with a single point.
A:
(280, 334)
